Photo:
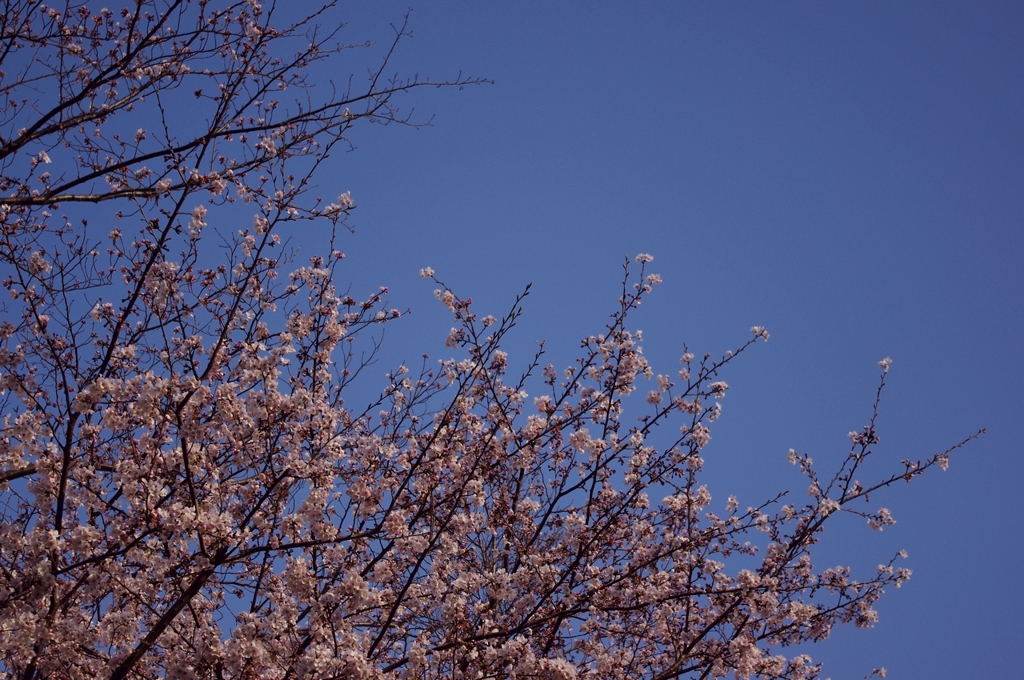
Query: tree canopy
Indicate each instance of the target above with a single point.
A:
(187, 490)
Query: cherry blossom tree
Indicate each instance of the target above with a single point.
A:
(188, 488)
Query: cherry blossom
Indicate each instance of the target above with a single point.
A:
(189, 490)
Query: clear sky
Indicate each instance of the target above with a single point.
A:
(850, 176)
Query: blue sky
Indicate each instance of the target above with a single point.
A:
(850, 176)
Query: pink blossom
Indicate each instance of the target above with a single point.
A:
(199, 479)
